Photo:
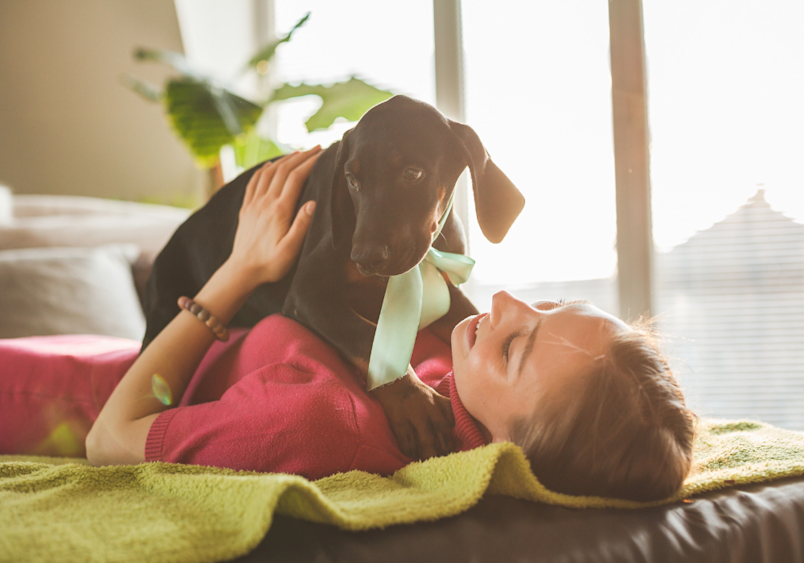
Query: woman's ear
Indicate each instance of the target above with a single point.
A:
(497, 201)
(341, 207)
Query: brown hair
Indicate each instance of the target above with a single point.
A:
(626, 434)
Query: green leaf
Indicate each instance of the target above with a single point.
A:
(170, 58)
(251, 149)
(145, 89)
(350, 100)
(206, 117)
(267, 52)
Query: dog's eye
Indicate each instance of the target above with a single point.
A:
(352, 181)
(413, 174)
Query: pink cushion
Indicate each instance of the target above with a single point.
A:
(53, 387)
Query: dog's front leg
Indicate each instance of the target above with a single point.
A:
(420, 418)
(412, 406)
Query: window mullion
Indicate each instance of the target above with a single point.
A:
(449, 82)
(631, 158)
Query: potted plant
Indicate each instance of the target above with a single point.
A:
(206, 115)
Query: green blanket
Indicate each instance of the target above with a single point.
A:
(65, 510)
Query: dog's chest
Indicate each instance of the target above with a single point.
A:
(364, 293)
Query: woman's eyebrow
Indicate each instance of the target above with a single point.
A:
(529, 346)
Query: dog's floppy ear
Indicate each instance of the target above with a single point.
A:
(341, 206)
(497, 201)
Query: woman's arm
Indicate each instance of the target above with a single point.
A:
(266, 244)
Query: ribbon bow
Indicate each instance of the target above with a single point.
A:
(412, 301)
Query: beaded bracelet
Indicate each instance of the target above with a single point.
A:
(206, 317)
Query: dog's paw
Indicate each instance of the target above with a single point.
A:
(420, 418)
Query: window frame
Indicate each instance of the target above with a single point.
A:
(635, 247)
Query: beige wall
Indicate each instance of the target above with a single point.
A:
(67, 124)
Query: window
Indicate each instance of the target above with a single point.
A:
(538, 93)
(727, 125)
(535, 118)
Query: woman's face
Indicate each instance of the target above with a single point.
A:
(504, 360)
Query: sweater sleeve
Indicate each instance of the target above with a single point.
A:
(277, 419)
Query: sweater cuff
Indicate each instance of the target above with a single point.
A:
(156, 435)
(467, 431)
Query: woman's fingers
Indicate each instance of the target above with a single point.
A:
(258, 184)
(292, 187)
(267, 174)
(269, 237)
(271, 179)
(251, 187)
(285, 167)
(290, 245)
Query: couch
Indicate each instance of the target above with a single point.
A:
(79, 265)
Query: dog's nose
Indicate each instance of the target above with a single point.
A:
(370, 259)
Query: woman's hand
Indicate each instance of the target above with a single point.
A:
(268, 239)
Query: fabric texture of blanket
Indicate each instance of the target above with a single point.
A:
(65, 510)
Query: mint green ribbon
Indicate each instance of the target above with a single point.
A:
(412, 301)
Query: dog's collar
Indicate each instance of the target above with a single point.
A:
(412, 301)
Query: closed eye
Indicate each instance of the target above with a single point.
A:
(550, 305)
(507, 346)
(565, 302)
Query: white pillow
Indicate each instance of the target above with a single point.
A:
(41, 220)
(69, 291)
(6, 206)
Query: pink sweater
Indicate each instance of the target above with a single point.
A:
(272, 399)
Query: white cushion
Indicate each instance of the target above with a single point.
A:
(6, 213)
(69, 291)
(41, 220)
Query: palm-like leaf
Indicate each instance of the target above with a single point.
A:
(350, 100)
(267, 52)
(145, 89)
(207, 118)
(170, 58)
(203, 114)
(251, 149)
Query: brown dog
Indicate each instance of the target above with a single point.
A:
(379, 194)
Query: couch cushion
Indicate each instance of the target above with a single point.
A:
(41, 220)
(77, 221)
(70, 291)
(6, 206)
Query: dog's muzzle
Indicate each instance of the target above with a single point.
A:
(371, 260)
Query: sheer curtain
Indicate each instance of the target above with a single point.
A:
(726, 84)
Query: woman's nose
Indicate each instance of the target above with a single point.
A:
(504, 305)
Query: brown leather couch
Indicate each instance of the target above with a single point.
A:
(761, 523)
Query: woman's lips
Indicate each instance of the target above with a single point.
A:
(472, 327)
